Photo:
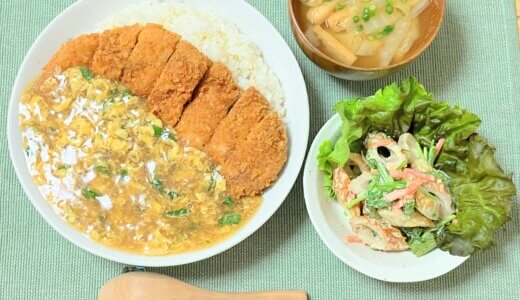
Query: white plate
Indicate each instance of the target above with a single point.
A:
(83, 17)
(332, 226)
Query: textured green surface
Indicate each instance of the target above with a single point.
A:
(474, 62)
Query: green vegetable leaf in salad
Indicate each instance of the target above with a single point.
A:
(483, 195)
(482, 192)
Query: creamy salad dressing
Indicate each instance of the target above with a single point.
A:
(110, 169)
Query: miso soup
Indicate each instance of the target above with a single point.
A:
(365, 33)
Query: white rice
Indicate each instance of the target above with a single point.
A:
(213, 35)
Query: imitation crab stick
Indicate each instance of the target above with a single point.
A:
(352, 239)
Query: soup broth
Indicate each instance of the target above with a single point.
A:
(111, 169)
(365, 33)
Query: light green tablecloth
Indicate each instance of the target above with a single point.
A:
(474, 62)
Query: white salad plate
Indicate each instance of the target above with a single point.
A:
(83, 17)
(332, 226)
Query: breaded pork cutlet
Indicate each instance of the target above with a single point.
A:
(256, 161)
(214, 96)
(154, 47)
(77, 52)
(115, 46)
(178, 80)
(234, 128)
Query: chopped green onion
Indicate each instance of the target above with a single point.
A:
(359, 28)
(86, 73)
(228, 202)
(158, 185)
(372, 8)
(102, 170)
(114, 91)
(366, 14)
(389, 9)
(378, 35)
(339, 7)
(63, 167)
(177, 213)
(370, 37)
(126, 93)
(355, 19)
(157, 131)
(387, 30)
(172, 137)
(88, 193)
(123, 173)
(173, 195)
(230, 219)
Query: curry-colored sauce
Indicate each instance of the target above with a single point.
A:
(110, 169)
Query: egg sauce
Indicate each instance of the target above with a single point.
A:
(111, 169)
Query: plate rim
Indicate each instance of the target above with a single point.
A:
(112, 254)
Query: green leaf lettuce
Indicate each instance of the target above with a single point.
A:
(482, 192)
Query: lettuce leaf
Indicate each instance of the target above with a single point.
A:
(482, 191)
(483, 195)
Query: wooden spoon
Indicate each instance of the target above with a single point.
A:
(147, 286)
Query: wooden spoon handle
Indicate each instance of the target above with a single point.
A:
(267, 295)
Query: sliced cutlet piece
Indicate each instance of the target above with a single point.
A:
(115, 46)
(154, 47)
(256, 161)
(77, 52)
(178, 80)
(215, 94)
(234, 128)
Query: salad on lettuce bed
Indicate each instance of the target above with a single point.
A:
(412, 173)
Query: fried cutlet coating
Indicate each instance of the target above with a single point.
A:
(178, 80)
(215, 95)
(154, 47)
(115, 46)
(77, 52)
(250, 108)
(256, 161)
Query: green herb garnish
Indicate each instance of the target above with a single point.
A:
(157, 131)
(355, 19)
(389, 9)
(173, 195)
(387, 30)
(366, 14)
(172, 137)
(88, 193)
(339, 7)
(123, 173)
(64, 167)
(102, 170)
(177, 213)
(229, 201)
(126, 93)
(86, 73)
(158, 185)
(230, 219)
